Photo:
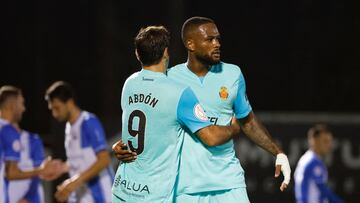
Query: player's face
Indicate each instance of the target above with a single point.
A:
(59, 110)
(207, 44)
(324, 143)
(19, 108)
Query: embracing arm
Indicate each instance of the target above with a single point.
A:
(214, 135)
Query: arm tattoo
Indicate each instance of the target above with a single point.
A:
(254, 129)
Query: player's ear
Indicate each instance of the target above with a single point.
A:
(166, 53)
(137, 55)
(189, 44)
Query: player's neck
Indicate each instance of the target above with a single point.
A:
(74, 114)
(160, 67)
(197, 67)
(7, 116)
(317, 152)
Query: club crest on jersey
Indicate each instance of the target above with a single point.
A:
(223, 93)
(200, 113)
(16, 146)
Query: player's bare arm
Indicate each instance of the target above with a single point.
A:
(214, 135)
(12, 172)
(254, 129)
(73, 183)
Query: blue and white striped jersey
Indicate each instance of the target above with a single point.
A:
(83, 140)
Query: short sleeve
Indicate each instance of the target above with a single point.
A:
(93, 134)
(242, 105)
(37, 150)
(10, 139)
(190, 113)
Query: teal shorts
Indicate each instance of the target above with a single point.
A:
(237, 195)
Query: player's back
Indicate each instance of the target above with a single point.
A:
(150, 128)
(309, 172)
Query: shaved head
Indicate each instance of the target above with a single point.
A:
(192, 24)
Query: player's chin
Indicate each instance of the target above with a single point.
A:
(215, 61)
(215, 58)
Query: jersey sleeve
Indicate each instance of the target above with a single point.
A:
(37, 150)
(11, 143)
(242, 106)
(94, 135)
(190, 113)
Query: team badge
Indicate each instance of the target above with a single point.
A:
(16, 146)
(223, 93)
(200, 113)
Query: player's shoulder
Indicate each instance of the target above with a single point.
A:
(132, 77)
(89, 117)
(9, 129)
(311, 160)
(90, 120)
(229, 69)
(176, 69)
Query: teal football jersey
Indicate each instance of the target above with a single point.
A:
(222, 95)
(154, 111)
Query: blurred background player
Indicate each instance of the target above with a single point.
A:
(31, 156)
(88, 161)
(311, 174)
(19, 166)
(154, 110)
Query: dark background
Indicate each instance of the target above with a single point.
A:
(297, 56)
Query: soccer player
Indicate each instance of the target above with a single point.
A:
(88, 160)
(207, 173)
(311, 174)
(156, 111)
(31, 156)
(16, 168)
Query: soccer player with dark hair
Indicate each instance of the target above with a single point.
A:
(220, 88)
(156, 113)
(311, 173)
(88, 160)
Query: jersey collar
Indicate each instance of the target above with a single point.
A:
(152, 73)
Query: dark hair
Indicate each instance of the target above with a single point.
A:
(318, 129)
(60, 90)
(150, 44)
(8, 91)
(192, 23)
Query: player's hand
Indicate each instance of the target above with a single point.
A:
(282, 164)
(23, 201)
(122, 153)
(235, 126)
(55, 168)
(66, 188)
